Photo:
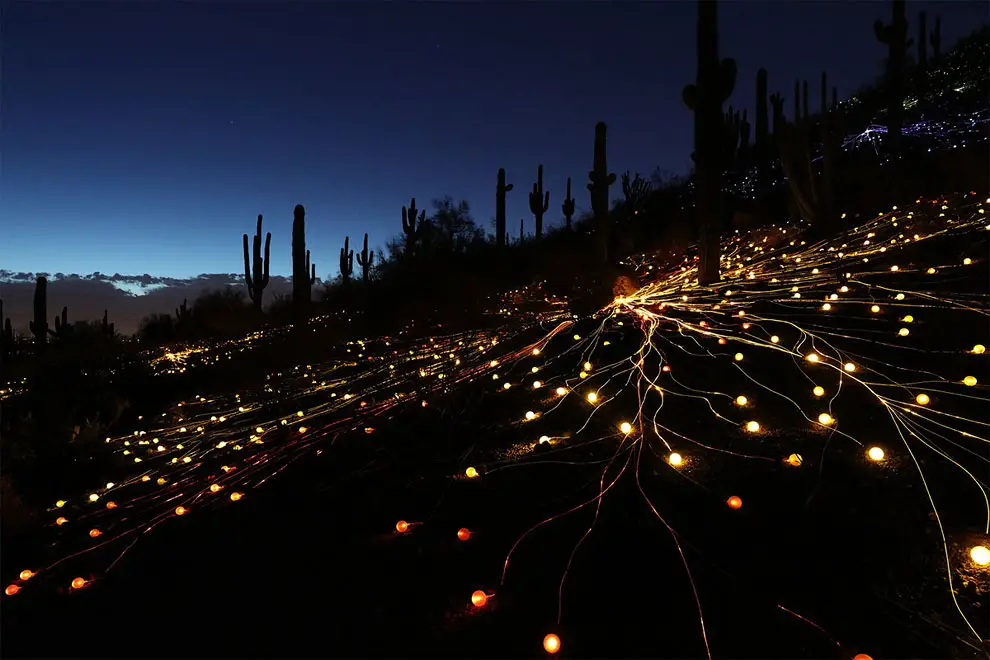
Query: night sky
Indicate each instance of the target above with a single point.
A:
(145, 137)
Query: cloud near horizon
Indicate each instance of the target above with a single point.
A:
(127, 298)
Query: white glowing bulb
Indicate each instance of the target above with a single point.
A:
(875, 454)
(626, 427)
(675, 459)
(922, 399)
(592, 397)
(980, 555)
(825, 419)
(752, 427)
(818, 391)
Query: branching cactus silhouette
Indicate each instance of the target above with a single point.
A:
(346, 262)
(567, 207)
(539, 201)
(411, 225)
(303, 273)
(256, 270)
(500, 189)
(599, 181)
(365, 258)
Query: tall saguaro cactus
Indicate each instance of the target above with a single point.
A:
(346, 261)
(715, 81)
(256, 272)
(301, 278)
(599, 181)
(365, 258)
(568, 206)
(500, 189)
(411, 226)
(39, 326)
(894, 36)
(539, 202)
(62, 328)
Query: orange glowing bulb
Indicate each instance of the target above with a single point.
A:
(111, 505)
(26, 575)
(734, 502)
(214, 488)
(78, 583)
(862, 656)
(12, 590)
(181, 510)
(464, 534)
(94, 532)
(61, 520)
(794, 460)
(551, 643)
(479, 598)
(402, 527)
(236, 496)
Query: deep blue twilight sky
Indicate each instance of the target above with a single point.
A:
(145, 137)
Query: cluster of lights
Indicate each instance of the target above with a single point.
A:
(211, 451)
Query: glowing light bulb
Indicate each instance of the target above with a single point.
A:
(862, 656)
(471, 473)
(734, 502)
(675, 459)
(60, 504)
(506, 386)
(236, 496)
(979, 349)
(967, 261)
(12, 590)
(741, 401)
(551, 643)
(626, 427)
(849, 366)
(903, 332)
(561, 391)
(980, 555)
(94, 497)
(922, 399)
(812, 357)
(464, 534)
(78, 583)
(479, 598)
(752, 427)
(738, 357)
(94, 532)
(909, 319)
(544, 439)
(794, 460)
(969, 380)
(181, 510)
(774, 339)
(26, 575)
(875, 308)
(402, 527)
(592, 397)
(825, 419)
(818, 391)
(536, 351)
(875, 454)
(587, 366)
(530, 415)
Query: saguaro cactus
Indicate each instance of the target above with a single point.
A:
(539, 202)
(599, 181)
(500, 189)
(182, 313)
(894, 35)
(6, 334)
(715, 81)
(365, 258)
(256, 278)
(410, 226)
(107, 328)
(568, 206)
(62, 327)
(301, 278)
(39, 326)
(346, 261)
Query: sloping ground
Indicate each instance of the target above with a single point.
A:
(841, 521)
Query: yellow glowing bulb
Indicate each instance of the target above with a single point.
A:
(236, 496)
(849, 366)
(530, 415)
(675, 459)
(825, 419)
(752, 427)
(587, 366)
(922, 399)
(903, 332)
(94, 497)
(909, 319)
(967, 261)
(537, 384)
(794, 460)
(471, 473)
(544, 439)
(741, 400)
(818, 391)
(875, 309)
(592, 397)
(980, 554)
(60, 503)
(774, 339)
(561, 391)
(536, 351)
(875, 454)
(826, 307)
(626, 427)
(738, 357)
(979, 349)
(551, 643)
(969, 380)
